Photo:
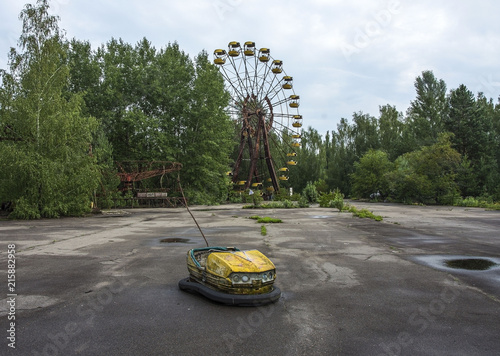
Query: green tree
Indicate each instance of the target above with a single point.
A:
(495, 114)
(311, 155)
(46, 166)
(370, 174)
(365, 134)
(348, 144)
(391, 126)
(466, 179)
(471, 123)
(465, 122)
(488, 167)
(85, 74)
(207, 136)
(159, 105)
(406, 184)
(171, 100)
(427, 175)
(118, 111)
(426, 112)
(85, 78)
(341, 163)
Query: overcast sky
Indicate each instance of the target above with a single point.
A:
(344, 56)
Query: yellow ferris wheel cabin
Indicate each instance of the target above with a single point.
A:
(234, 48)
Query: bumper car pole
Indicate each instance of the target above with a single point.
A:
(189, 211)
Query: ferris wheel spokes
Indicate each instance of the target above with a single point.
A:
(268, 114)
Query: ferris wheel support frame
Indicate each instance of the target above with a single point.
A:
(258, 99)
(261, 132)
(254, 155)
(269, 162)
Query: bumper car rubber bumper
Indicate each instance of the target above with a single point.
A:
(230, 299)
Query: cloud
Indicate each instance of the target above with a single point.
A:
(345, 57)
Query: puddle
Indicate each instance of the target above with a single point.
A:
(320, 216)
(176, 240)
(472, 264)
(170, 240)
(466, 264)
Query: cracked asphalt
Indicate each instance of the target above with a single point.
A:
(107, 285)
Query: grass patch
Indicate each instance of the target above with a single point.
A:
(265, 220)
(263, 230)
(283, 204)
(364, 213)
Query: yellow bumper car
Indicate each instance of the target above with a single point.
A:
(230, 276)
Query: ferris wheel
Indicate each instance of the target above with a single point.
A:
(265, 106)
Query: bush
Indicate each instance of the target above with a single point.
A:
(303, 203)
(470, 202)
(25, 210)
(273, 205)
(370, 174)
(426, 176)
(256, 199)
(196, 197)
(295, 197)
(310, 193)
(493, 206)
(283, 194)
(321, 186)
(481, 202)
(287, 204)
(235, 197)
(108, 193)
(333, 199)
(245, 197)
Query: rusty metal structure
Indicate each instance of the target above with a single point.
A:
(265, 106)
(135, 171)
(131, 172)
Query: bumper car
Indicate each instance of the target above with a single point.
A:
(230, 276)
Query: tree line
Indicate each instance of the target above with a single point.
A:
(69, 113)
(445, 148)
